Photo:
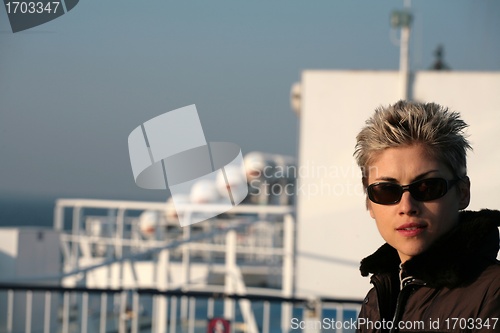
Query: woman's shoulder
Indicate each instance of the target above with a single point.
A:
(488, 285)
(485, 290)
(490, 277)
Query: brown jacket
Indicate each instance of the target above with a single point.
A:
(454, 286)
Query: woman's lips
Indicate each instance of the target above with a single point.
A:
(411, 229)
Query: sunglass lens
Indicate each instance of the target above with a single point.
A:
(428, 189)
(385, 193)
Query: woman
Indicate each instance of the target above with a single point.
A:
(437, 271)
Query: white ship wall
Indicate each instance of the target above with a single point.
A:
(334, 229)
(26, 252)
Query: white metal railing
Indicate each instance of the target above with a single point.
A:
(119, 231)
(248, 237)
(236, 241)
(104, 310)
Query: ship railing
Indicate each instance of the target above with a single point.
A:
(236, 239)
(97, 229)
(260, 235)
(30, 308)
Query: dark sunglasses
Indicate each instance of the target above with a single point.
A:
(387, 193)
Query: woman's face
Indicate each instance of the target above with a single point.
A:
(411, 226)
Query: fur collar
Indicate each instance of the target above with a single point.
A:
(454, 260)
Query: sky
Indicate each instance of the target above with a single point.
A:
(72, 89)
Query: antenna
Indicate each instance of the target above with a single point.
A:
(402, 19)
(439, 63)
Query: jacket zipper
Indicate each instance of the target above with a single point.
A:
(407, 286)
(401, 301)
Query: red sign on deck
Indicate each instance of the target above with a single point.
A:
(218, 325)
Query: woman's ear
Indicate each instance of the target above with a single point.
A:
(364, 181)
(370, 208)
(463, 193)
(368, 203)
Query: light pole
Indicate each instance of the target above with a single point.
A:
(402, 20)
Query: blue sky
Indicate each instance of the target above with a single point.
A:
(72, 90)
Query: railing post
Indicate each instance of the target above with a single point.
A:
(173, 314)
(230, 269)
(104, 310)
(192, 314)
(313, 313)
(85, 312)
(76, 232)
(29, 310)
(46, 318)
(10, 310)
(122, 316)
(119, 232)
(59, 217)
(109, 247)
(339, 314)
(265, 317)
(186, 270)
(161, 312)
(288, 271)
(135, 312)
(65, 312)
(108, 231)
(120, 221)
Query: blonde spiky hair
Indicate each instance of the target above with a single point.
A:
(405, 123)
